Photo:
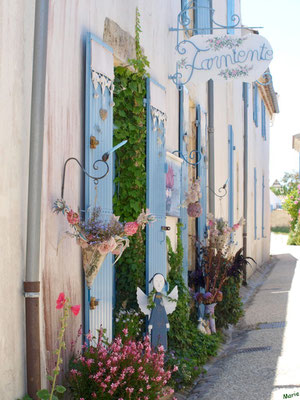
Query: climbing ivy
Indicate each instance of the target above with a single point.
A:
(130, 168)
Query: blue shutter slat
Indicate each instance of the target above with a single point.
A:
(103, 286)
(202, 17)
(230, 175)
(184, 182)
(230, 12)
(255, 105)
(263, 207)
(255, 222)
(156, 253)
(201, 173)
(263, 120)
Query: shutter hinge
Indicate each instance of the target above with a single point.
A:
(197, 123)
(145, 102)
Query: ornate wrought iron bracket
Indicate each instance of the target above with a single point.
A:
(222, 188)
(95, 167)
(194, 154)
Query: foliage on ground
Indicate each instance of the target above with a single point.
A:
(280, 229)
(188, 348)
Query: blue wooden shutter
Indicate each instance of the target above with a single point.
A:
(263, 120)
(183, 138)
(255, 104)
(185, 14)
(230, 175)
(263, 207)
(201, 173)
(230, 13)
(156, 252)
(255, 211)
(99, 91)
(202, 17)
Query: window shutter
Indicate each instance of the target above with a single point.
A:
(263, 120)
(255, 184)
(230, 175)
(201, 138)
(156, 250)
(230, 13)
(263, 207)
(99, 123)
(255, 104)
(183, 141)
(202, 17)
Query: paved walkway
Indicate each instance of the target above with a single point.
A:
(263, 359)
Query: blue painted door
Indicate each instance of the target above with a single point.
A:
(230, 175)
(263, 207)
(201, 137)
(156, 252)
(99, 124)
(183, 151)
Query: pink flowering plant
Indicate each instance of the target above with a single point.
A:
(292, 206)
(98, 237)
(125, 369)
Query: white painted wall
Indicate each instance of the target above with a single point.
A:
(16, 48)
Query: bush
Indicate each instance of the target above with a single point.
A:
(294, 236)
(131, 320)
(230, 309)
(292, 206)
(124, 369)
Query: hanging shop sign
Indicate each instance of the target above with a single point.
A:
(222, 58)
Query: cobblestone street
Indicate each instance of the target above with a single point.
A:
(262, 360)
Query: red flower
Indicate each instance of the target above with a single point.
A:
(60, 302)
(72, 217)
(75, 309)
(130, 228)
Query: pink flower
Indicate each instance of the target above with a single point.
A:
(75, 309)
(131, 228)
(107, 246)
(125, 331)
(175, 368)
(60, 302)
(73, 218)
(235, 227)
(295, 202)
(89, 336)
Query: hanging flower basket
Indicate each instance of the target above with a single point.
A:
(98, 237)
(92, 261)
(192, 199)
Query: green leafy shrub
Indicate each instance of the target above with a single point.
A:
(189, 349)
(292, 206)
(130, 320)
(294, 236)
(230, 309)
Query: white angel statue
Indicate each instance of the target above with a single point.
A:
(158, 321)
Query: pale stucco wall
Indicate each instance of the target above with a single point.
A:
(16, 47)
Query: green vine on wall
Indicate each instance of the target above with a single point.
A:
(130, 168)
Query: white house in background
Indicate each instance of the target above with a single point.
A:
(227, 122)
(275, 201)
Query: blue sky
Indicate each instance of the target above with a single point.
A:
(280, 19)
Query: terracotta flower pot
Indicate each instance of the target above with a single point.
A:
(210, 311)
(92, 261)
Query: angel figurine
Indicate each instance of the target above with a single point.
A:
(158, 321)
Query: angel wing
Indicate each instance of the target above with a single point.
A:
(170, 305)
(142, 300)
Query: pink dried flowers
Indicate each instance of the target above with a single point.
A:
(125, 369)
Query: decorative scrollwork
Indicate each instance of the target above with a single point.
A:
(95, 167)
(221, 189)
(194, 154)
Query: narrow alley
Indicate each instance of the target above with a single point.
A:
(262, 360)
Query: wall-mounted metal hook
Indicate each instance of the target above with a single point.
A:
(194, 154)
(222, 188)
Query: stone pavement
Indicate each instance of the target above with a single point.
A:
(262, 360)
